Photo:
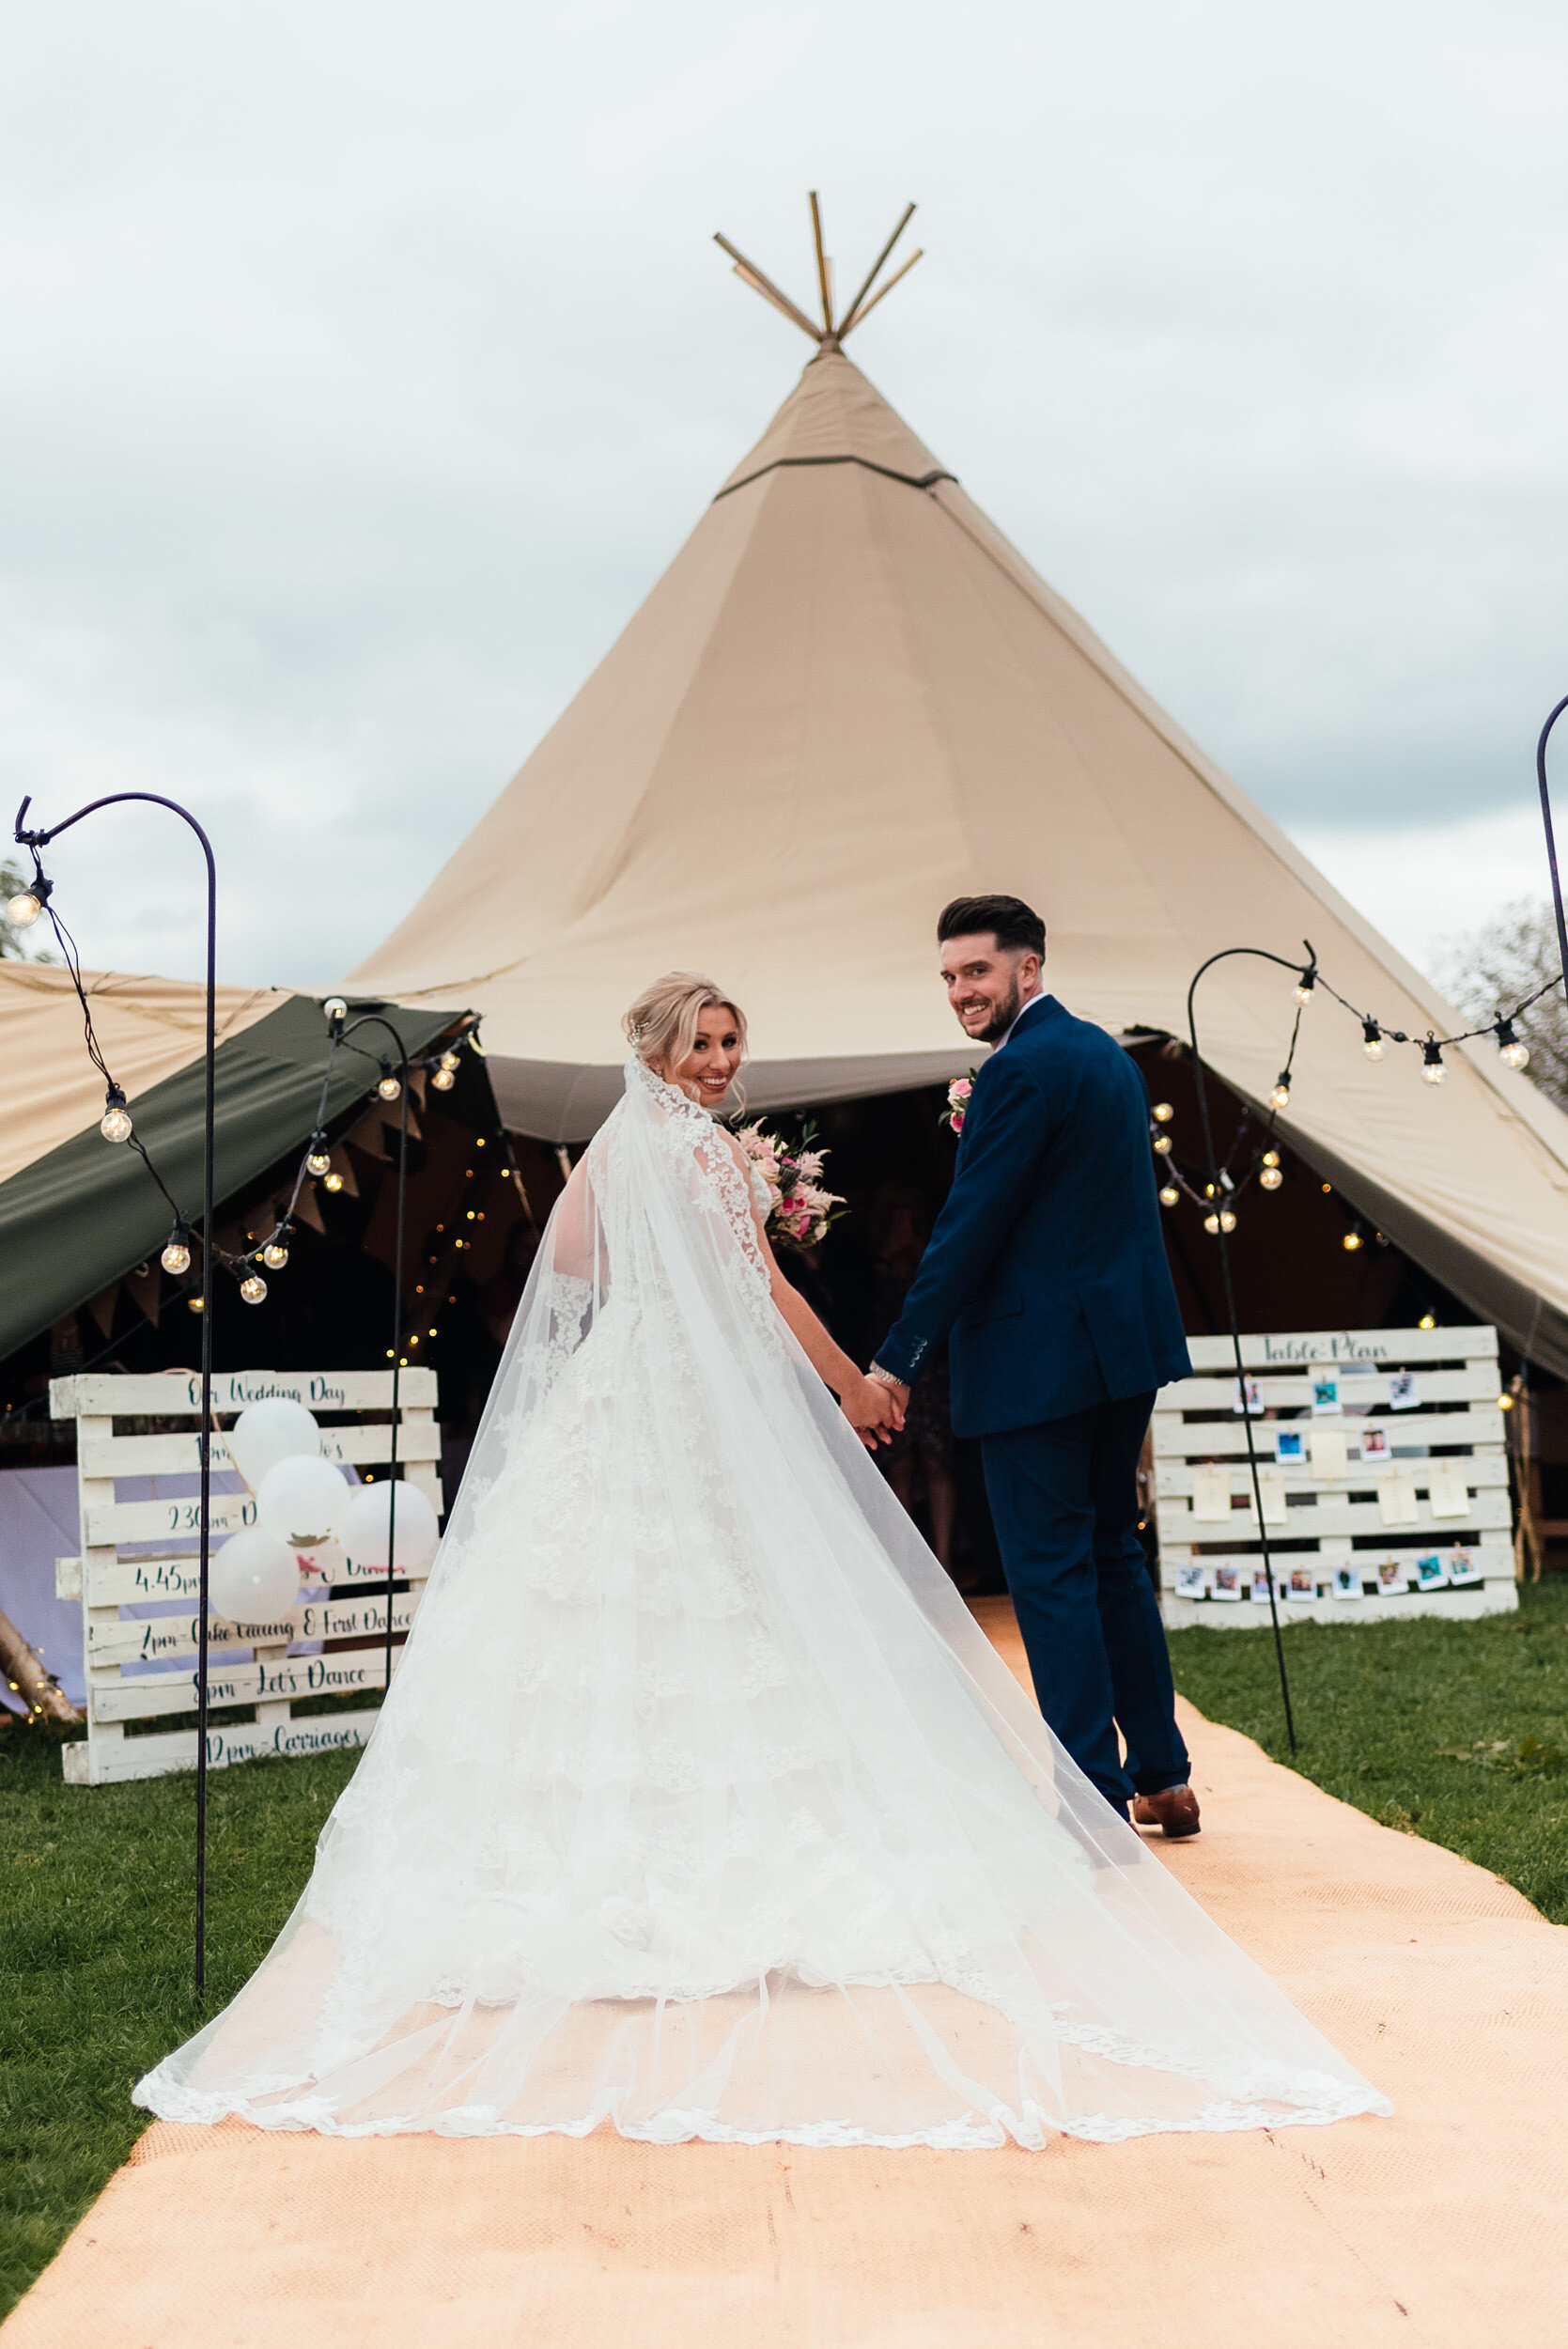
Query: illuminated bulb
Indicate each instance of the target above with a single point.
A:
(1281, 1094)
(1162, 1143)
(1271, 1178)
(176, 1255)
(195, 1304)
(334, 1009)
(1168, 1195)
(1305, 986)
(1227, 1220)
(253, 1288)
(1163, 1112)
(26, 907)
(1211, 1224)
(275, 1254)
(334, 1181)
(1505, 1402)
(449, 1062)
(1432, 1063)
(1371, 1039)
(1351, 1241)
(389, 1087)
(1271, 1157)
(444, 1079)
(1427, 1321)
(1510, 1050)
(115, 1123)
(318, 1159)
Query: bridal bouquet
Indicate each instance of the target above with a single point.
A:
(802, 1212)
(958, 1101)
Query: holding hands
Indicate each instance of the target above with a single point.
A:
(874, 1408)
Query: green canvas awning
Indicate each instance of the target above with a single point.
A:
(87, 1212)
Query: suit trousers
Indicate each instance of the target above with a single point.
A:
(1063, 1495)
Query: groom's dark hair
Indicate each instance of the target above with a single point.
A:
(1014, 923)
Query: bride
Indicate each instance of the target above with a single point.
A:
(699, 1803)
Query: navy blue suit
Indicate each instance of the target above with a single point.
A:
(1046, 1275)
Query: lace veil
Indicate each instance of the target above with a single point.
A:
(699, 1803)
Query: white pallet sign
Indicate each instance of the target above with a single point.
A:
(107, 1581)
(1424, 1482)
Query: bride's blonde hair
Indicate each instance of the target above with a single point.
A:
(662, 1025)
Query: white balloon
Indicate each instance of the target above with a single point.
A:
(276, 1428)
(302, 1501)
(365, 1528)
(254, 1577)
(329, 1559)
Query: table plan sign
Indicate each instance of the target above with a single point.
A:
(1382, 1471)
(137, 1553)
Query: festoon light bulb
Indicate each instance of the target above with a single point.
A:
(253, 1288)
(275, 1254)
(1281, 1094)
(1432, 1062)
(176, 1257)
(1371, 1039)
(442, 1078)
(115, 1123)
(318, 1157)
(1511, 1051)
(1168, 1195)
(389, 1087)
(22, 909)
(1162, 1143)
(1271, 1177)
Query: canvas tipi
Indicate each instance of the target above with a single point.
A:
(849, 699)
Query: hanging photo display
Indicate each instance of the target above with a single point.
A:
(1191, 1582)
(1326, 1395)
(1347, 1582)
(1404, 1392)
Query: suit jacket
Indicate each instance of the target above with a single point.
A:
(1047, 1269)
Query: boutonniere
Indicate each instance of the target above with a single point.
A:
(958, 1101)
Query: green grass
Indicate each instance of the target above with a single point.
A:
(1455, 1731)
(96, 1916)
(96, 1941)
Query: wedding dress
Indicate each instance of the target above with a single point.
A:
(699, 1802)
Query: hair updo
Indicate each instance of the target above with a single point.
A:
(661, 1026)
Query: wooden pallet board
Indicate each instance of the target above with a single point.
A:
(1433, 1485)
(138, 1552)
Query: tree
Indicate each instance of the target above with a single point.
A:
(1488, 970)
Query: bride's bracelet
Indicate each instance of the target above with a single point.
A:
(884, 1378)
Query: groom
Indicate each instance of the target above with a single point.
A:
(1046, 1273)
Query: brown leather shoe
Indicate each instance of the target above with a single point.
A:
(1175, 1811)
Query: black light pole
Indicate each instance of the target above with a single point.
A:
(37, 840)
(340, 1035)
(1216, 1198)
(1551, 844)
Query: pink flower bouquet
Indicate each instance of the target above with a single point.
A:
(802, 1213)
(958, 1102)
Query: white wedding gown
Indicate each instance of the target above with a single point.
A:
(699, 1802)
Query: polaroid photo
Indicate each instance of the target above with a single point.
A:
(1393, 1578)
(1301, 1589)
(1260, 1587)
(1404, 1394)
(1226, 1583)
(1253, 1405)
(1191, 1582)
(1289, 1446)
(1326, 1395)
(1464, 1567)
(1211, 1494)
(1331, 1453)
(1446, 1491)
(1374, 1443)
(1347, 1582)
(1431, 1572)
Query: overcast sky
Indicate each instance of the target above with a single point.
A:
(364, 365)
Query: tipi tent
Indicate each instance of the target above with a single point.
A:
(849, 699)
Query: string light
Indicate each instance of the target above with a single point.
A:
(176, 1257)
(1163, 1112)
(1371, 1039)
(444, 1079)
(1306, 984)
(23, 909)
(1433, 1069)
(1168, 1195)
(253, 1288)
(1427, 1321)
(115, 1123)
(1351, 1241)
(1511, 1051)
(275, 1254)
(195, 1304)
(449, 1062)
(1163, 1143)
(389, 1087)
(333, 1181)
(1224, 1221)
(1271, 1176)
(318, 1157)
(1281, 1094)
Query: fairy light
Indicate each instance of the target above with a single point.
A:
(176, 1257)
(1281, 1094)
(253, 1288)
(1168, 1195)
(444, 1079)
(1371, 1039)
(1432, 1070)
(1163, 1112)
(1510, 1050)
(1163, 1144)
(1351, 1241)
(333, 1181)
(318, 1157)
(115, 1123)
(1306, 984)
(1271, 1174)
(389, 1086)
(23, 909)
(275, 1254)
(1427, 1321)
